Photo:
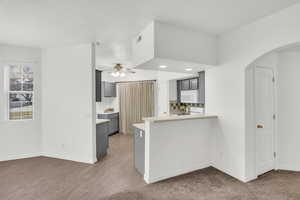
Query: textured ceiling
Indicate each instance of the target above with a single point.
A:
(55, 22)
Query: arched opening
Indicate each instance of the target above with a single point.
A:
(272, 107)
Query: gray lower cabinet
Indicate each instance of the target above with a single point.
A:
(139, 150)
(101, 139)
(113, 126)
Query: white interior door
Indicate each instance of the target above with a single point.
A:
(264, 117)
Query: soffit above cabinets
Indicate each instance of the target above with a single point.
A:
(175, 47)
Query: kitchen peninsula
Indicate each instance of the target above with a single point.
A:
(173, 145)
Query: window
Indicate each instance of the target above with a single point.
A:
(20, 92)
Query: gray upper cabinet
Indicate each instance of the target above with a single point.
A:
(98, 85)
(202, 87)
(194, 84)
(113, 88)
(197, 83)
(109, 89)
(185, 84)
(189, 84)
(178, 84)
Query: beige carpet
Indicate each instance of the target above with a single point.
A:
(210, 184)
(116, 179)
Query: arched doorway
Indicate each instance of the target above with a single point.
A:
(272, 104)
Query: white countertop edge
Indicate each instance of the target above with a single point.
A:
(107, 113)
(139, 126)
(179, 117)
(100, 121)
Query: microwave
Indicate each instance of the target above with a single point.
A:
(189, 96)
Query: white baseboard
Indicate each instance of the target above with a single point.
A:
(176, 173)
(242, 179)
(68, 158)
(289, 167)
(248, 179)
(22, 156)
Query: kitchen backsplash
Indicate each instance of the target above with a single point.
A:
(176, 107)
(107, 103)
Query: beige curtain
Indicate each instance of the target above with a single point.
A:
(136, 101)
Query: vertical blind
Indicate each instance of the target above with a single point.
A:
(136, 101)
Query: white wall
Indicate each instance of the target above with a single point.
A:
(176, 47)
(224, 98)
(173, 90)
(162, 40)
(225, 84)
(20, 139)
(144, 50)
(68, 102)
(288, 110)
(170, 150)
(182, 44)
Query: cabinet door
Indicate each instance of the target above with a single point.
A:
(113, 88)
(194, 84)
(109, 89)
(114, 125)
(202, 87)
(111, 126)
(106, 88)
(178, 84)
(98, 86)
(101, 140)
(185, 84)
(139, 150)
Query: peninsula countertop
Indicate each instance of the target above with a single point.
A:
(179, 117)
(139, 126)
(100, 121)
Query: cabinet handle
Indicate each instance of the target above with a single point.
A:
(141, 134)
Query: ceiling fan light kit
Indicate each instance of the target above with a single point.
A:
(115, 74)
(118, 70)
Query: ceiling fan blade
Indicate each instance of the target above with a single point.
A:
(129, 69)
(104, 68)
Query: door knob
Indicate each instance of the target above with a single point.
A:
(259, 126)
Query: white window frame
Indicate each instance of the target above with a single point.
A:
(8, 91)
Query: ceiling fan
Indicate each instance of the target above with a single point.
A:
(118, 70)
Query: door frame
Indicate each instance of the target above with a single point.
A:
(275, 129)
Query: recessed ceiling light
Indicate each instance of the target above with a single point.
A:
(163, 66)
(188, 69)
